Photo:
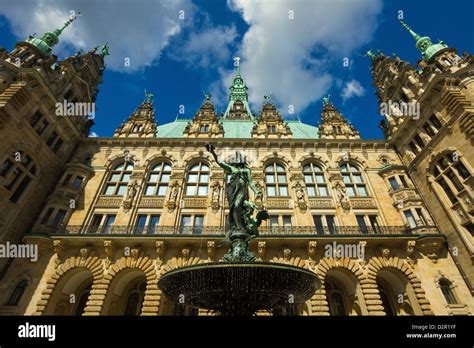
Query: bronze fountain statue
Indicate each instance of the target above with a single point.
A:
(242, 226)
(238, 284)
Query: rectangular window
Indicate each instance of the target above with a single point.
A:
(448, 191)
(394, 183)
(374, 223)
(350, 191)
(19, 190)
(141, 223)
(52, 138)
(42, 127)
(421, 216)
(283, 191)
(109, 221)
(287, 222)
(462, 170)
(413, 147)
(153, 224)
(419, 141)
(77, 182)
(427, 128)
(361, 223)
(435, 121)
(95, 224)
(410, 218)
(331, 224)
(362, 191)
(318, 223)
(403, 181)
(198, 224)
(186, 224)
(58, 219)
(311, 191)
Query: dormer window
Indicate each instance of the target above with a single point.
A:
(204, 128)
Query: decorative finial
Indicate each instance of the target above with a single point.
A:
(105, 49)
(207, 96)
(267, 97)
(326, 100)
(237, 64)
(148, 97)
(371, 55)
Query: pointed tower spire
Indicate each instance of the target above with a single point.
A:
(50, 38)
(238, 107)
(333, 124)
(424, 43)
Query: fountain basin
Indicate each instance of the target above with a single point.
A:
(239, 288)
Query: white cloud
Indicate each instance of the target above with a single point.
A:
(135, 29)
(352, 88)
(209, 47)
(93, 135)
(278, 53)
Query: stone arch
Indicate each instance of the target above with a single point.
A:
(114, 160)
(351, 158)
(206, 158)
(159, 158)
(91, 263)
(317, 159)
(276, 157)
(319, 300)
(140, 263)
(299, 262)
(435, 156)
(377, 264)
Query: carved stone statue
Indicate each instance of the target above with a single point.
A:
(242, 227)
(299, 189)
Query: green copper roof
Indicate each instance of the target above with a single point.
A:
(424, 43)
(172, 130)
(50, 38)
(237, 129)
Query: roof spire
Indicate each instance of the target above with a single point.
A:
(415, 35)
(51, 38)
(424, 43)
(237, 64)
(238, 107)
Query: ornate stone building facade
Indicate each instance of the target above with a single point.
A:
(374, 219)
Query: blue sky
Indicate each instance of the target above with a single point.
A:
(178, 49)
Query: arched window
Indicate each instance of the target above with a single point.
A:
(450, 173)
(135, 299)
(81, 304)
(446, 288)
(158, 180)
(352, 177)
(315, 181)
(197, 180)
(18, 170)
(118, 180)
(275, 180)
(335, 298)
(385, 296)
(17, 293)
